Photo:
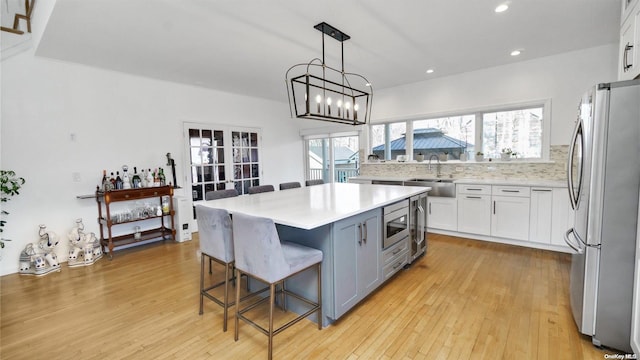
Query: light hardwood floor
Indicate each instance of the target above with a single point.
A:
(465, 300)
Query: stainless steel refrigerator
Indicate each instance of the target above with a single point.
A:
(604, 180)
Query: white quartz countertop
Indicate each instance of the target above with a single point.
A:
(310, 207)
(519, 182)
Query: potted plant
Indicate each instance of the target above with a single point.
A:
(419, 156)
(9, 186)
(479, 156)
(505, 155)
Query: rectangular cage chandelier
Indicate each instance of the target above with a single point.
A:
(320, 92)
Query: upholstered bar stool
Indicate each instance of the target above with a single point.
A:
(260, 189)
(220, 194)
(289, 185)
(216, 243)
(261, 255)
(314, 182)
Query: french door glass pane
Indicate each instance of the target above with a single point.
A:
(206, 150)
(245, 160)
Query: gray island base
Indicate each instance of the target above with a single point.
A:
(331, 218)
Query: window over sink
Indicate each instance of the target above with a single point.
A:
(522, 129)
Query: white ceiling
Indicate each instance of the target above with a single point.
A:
(246, 46)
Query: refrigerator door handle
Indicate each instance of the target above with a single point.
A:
(575, 246)
(572, 198)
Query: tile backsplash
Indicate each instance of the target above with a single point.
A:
(554, 169)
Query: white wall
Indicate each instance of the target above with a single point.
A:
(562, 78)
(115, 119)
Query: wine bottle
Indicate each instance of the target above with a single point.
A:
(105, 181)
(119, 183)
(161, 177)
(136, 181)
(112, 180)
(156, 178)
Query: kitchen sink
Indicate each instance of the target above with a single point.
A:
(439, 187)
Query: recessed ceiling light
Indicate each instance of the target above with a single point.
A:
(501, 8)
(515, 52)
(430, 71)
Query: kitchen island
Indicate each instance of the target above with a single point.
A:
(342, 220)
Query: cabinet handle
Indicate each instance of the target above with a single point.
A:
(625, 63)
(364, 227)
(474, 189)
(494, 208)
(429, 208)
(510, 191)
(397, 265)
(473, 197)
(541, 190)
(397, 251)
(360, 234)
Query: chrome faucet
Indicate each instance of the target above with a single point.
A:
(437, 165)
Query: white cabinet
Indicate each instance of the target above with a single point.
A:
(540, 215)
(510, 217)
(550, 217)
(628, 67)
(562, 216)
(474, 209)
(510, 212)
(442, 213)
(357, 253)
(474, 214)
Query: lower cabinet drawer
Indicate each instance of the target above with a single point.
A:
(389, 255)
(396, 265)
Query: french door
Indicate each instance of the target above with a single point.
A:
(221, 157)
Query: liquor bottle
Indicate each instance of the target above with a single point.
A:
(126, 182)
(136, 181)
(112, 180)
(156, 178)
(106, 184)
(149, 178)
(119, 184)
(162, 178)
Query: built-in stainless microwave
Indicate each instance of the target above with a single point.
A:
(395, 223)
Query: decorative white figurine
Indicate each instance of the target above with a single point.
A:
(85, 248)
(43, 262)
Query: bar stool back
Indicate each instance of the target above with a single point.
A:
(216, 243)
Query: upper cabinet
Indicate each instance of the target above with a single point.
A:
(628, 68)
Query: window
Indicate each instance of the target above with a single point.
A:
(222, 157)
(452, 136)
(387, 140)
(522, 128)
(332, 158)
(518, 130)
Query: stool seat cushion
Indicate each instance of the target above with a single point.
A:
(300, 257)
(260, 253)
